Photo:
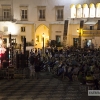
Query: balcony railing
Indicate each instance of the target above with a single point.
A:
(7, 18)
(91, 32)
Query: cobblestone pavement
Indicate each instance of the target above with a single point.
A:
(46, 87)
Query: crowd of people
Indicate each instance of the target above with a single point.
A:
(81, 62)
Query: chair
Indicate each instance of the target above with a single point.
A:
(90, 84)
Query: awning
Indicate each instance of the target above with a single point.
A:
(24, 22)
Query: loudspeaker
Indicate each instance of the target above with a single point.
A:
(66, 27)
(81, 24)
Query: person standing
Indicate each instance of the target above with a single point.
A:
(32, 68)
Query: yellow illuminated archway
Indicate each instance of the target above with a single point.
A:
(91, 5)
(78, 6)
(41, 31)
(98, 10)
(92, 10)
(79, 10)
(85, 6)
(73, 11)
(72, 6)
(85, 11)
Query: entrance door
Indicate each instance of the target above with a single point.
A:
(75, 42)
(58, 40)
(89, 43)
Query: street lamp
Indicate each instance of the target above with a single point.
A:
(43, 42)
(77, 30)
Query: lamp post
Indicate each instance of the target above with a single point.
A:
(43, 42)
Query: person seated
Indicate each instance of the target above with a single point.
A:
(89, 79)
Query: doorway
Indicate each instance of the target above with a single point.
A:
(42, 31)
(75, 42)
(58, 40)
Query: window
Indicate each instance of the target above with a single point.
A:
(92, 10)
(79, 11)
(24, 13)
(59, 13)
(41, 12)
(98, 10)
(22, 29)
(6, 11)
(85, 11)
(22, 37)
(73, 11)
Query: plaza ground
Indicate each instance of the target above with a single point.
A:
(47, 87)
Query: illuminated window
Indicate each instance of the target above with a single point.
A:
(41, 13)
(73, 11)
(24, 12)
(22, 29)
(85, 11)
(59, 13)
(6, 12)
(79, 11)
(98, 10)
(92, 10)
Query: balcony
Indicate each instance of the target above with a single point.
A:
(6, 18)
(91, 33)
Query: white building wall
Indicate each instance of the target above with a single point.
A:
(57, 29)
(50, 17)
(50, 7)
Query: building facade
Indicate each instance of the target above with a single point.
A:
(34, 18)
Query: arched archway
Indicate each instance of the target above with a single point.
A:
(73, 11)
(85, 11)
(98, 10)
(79, 10)
(92, 10)
(41, 29)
